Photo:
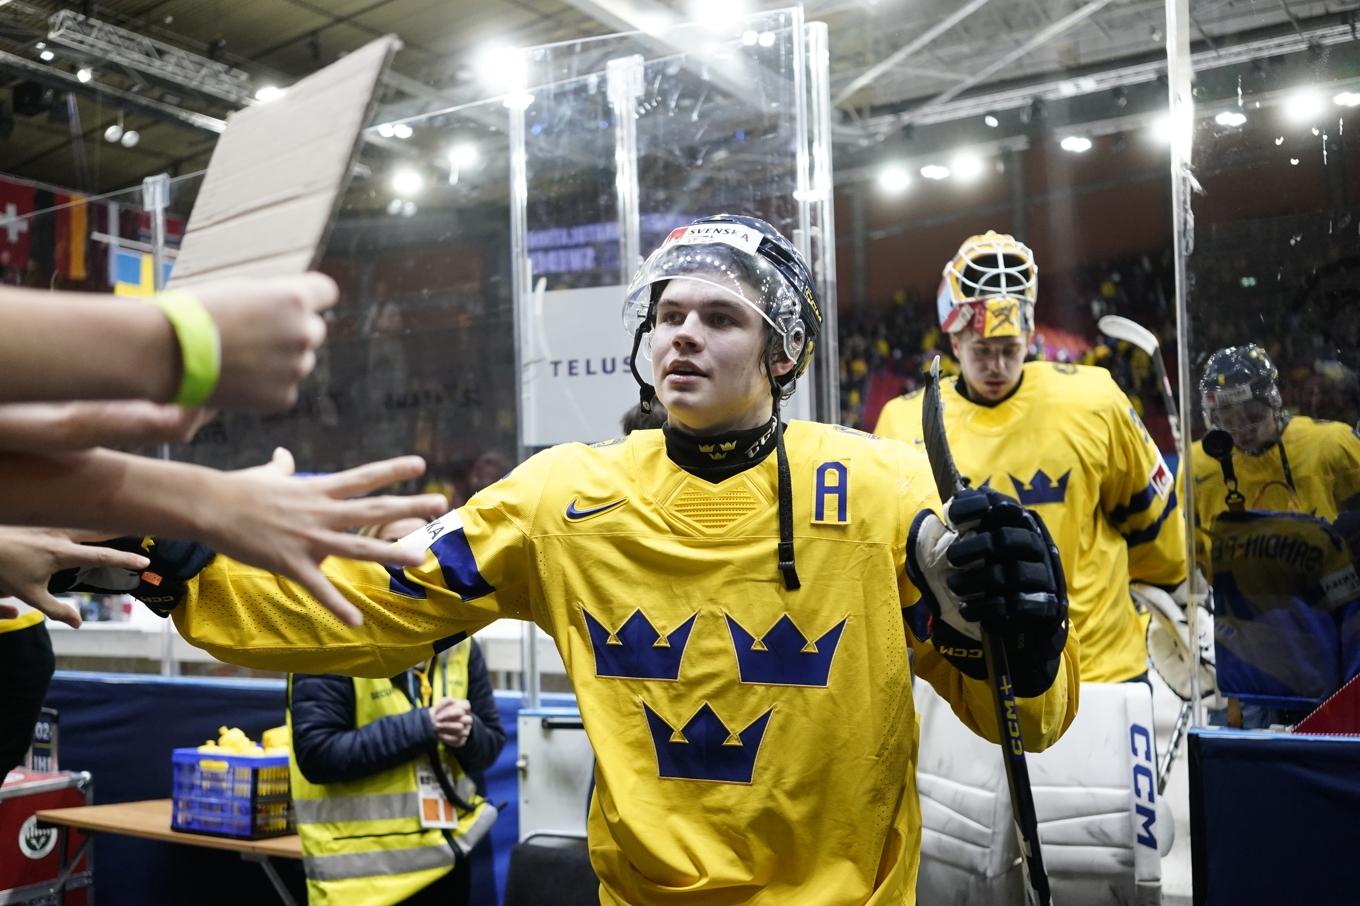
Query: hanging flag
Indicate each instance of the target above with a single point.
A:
(16, 201)
(72, 234)
(132, 275)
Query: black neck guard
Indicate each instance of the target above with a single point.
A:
(720, 456)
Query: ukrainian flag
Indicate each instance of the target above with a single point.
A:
(132, 273)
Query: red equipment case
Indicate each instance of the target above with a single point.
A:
(31, 856)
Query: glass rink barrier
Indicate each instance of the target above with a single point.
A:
(1269, 226)
(1267, 223)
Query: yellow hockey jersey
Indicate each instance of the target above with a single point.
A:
(1286, 597)
(753, 744)
(1323, 474)
(1069, 445)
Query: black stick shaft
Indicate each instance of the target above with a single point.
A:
(1017, 769)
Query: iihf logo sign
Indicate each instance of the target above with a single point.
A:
(36, 842)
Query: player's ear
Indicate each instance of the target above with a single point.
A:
(782, 365)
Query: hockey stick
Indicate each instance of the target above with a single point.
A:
(1144, 339)
(1132, 332)
(948, 483)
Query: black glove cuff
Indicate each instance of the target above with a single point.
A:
(160, 586)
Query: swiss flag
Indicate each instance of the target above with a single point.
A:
(16, 200)
(174, 228)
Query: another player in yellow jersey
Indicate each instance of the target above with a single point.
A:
(1286, 597)
(1284, 463)
(1063, 440)
(728, 595)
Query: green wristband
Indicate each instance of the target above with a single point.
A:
(200, 345)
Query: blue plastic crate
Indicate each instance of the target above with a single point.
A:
(231, 795)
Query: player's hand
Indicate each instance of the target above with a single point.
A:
(991, 566)
(1006, 567)
(70, 426)
(270, 331)
(29, 557)
(266, 517)
(452, 719)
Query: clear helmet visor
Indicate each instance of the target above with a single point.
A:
(1252, 423)
(730, 265)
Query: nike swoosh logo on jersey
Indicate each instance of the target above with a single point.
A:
(576, 515)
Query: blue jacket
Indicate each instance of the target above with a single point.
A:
(329, 749)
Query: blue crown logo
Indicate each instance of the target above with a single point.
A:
(784, 656)
(704, 749)
(1041, 489)
(637, 650)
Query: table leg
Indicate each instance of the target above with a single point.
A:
(272, 873)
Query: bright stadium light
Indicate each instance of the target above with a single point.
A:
(894, 179)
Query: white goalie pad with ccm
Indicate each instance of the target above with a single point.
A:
(1102, 825)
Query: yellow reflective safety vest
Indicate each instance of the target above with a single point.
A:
(362, 840)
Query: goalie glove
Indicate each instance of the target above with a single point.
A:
(1168, 639)
(160, 586)
(991, 565)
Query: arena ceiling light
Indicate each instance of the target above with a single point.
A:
(1346, 98)
(268, 93)
(501, 67)
(991, 120)
(935, 172)
(1231, 118)
(463, 155)
(84, 74)
(407, 182)
(717, 15)
(1076, 144)
(1303, 106)
(893, 179)
(966, 166)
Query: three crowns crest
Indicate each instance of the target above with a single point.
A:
(718, 451)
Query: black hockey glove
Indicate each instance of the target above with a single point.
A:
(160, 586)
(993, 566)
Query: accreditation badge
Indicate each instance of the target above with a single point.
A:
(435, 808)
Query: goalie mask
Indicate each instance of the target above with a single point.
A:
(1240, 394)
(746, 259)
(989, 287)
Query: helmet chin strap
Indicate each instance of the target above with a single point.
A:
(646, 392)
(785, 482)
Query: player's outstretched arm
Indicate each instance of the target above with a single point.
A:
(262, 516)
(243, 344)
(29, 557)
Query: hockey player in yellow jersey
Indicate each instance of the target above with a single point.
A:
(1286, 597)
(1284, 463)
(1062, 439)
(735, 601)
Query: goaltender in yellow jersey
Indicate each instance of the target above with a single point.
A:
(1062, 439)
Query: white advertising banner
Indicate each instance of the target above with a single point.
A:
(577, 383)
